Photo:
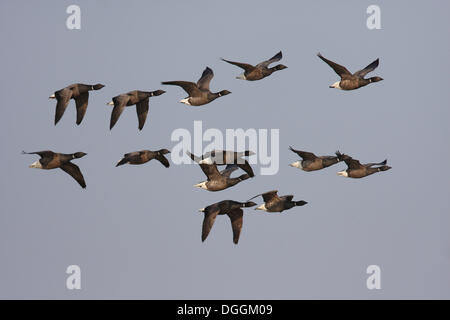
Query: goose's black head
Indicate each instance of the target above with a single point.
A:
(280, 67)
(163, 151)
(224, 93)
(158, 92)
(78, 155)
(375, 79)
(384, 168)
(341, 156)
(98, 86)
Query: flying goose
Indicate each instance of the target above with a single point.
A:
(136, 97)
(274, 203)
(51, 160)
(351, 81)
(223, 157)
(357, 170)
(311, 162)
(77, 91)
(229, 207)
(217, 181)
(261, 70)
(143, 156)
(199, 93)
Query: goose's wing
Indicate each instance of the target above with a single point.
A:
(327, 157)
(236, 217)
(127, 157)
(190, 87)
(205, 79)
(81, 103)
(119, 104)
(123, 161)
(42, 154)
(247, 168)
(229, 169)
(216, 155)
(371, 164)
(303, 154)
(340, 70)
(266, 63)
(208, 221)
(75, 172)
(163, 160)
(194, 157)
(132, 154)
(62, 97)
(267, 196)
(209, 154)
(352, 163)
(288, 197)
(247, 67)
(362, 73)
(142, 111)
(210, 170)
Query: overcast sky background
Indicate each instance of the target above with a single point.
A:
(135, 231)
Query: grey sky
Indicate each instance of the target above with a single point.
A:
(135, 231)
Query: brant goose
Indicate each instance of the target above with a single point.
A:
(261, 70)
(351, 81)
(218, 181)
(230, 208)
(274, 203)
(52, 160)
(80, 93)
(357, 170)
(136, 97)
(199, 93)
(223, 157)
(143, 156)
(311, 162)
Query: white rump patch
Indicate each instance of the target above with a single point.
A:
(185, 101)
(201, 185)
(336, 85)
(297, 164)
(343, 173)
(37, 164)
